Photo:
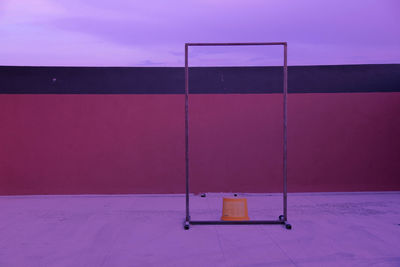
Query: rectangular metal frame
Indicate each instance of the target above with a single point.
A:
(282, 218)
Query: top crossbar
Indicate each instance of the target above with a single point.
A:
(227, 44)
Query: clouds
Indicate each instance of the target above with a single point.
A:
(129, 33)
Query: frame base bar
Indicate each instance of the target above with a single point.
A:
(235, 222)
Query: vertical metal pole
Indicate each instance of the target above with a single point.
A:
(187, 130)
(285, 76)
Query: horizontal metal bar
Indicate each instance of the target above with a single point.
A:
(227, 44)
(237, 222)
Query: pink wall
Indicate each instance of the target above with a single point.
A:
(116, 144)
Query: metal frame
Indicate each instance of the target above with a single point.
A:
(282, 218)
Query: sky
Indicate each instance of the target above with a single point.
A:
(153, 32)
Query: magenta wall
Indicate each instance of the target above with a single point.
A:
(117, 144)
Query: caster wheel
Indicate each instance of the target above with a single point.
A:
(288, 226)
(186, 226)
(235, 195)
(203, 195)
(281, 217)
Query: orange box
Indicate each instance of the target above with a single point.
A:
(234, 209)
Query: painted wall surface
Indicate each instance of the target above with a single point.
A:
(116, 144)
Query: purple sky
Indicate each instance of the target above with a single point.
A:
(153, 32)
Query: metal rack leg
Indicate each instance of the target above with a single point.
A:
(285, 132)
(187, 222)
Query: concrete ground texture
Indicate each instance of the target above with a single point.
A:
(329, 229)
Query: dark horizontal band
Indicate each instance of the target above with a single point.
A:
(202, 80)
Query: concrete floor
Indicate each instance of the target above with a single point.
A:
(329, 229)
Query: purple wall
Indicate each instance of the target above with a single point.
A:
(116, 144)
